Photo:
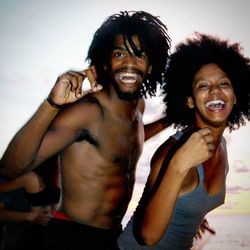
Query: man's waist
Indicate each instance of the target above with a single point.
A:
(59, 215)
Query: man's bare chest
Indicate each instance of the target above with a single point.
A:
(122, 139)
(121, 142)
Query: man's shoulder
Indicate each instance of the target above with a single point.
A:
(90, 99)
(81, 113)
(88, 104)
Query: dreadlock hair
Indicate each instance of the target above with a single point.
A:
(154, 41)
(188, 58)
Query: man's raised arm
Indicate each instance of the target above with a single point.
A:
(154, 128)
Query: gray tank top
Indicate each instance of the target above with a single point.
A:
(189, 212)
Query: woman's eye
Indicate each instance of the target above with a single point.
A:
(203, 86)
(224, 84)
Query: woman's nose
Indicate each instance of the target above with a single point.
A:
(214, 88)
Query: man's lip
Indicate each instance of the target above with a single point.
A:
(129, 71)
(129, 76)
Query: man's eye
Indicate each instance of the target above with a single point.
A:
(118, 54)
(141, 55)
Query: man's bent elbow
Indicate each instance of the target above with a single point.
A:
(8, 170)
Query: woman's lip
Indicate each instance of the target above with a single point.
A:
(215, 103)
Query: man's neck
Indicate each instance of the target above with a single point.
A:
(125, 109)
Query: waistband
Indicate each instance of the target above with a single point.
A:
(61, 216)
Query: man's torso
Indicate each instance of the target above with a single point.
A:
(98, 169)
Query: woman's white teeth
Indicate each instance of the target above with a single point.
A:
(215, 104)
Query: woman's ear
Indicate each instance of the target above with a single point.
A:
(150, 69)
(235, 100)
(190, 102)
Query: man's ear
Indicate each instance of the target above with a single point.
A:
(190, 102)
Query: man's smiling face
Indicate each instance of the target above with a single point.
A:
(127, 69)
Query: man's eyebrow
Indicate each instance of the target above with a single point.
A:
(123, 48)
(120, 48)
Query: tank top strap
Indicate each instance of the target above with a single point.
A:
(200, 171)
(177, 135)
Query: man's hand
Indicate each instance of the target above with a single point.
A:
(203, 234)
(41, 217)
(69, 86)
(204, 226)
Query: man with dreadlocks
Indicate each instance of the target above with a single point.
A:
(99, 134)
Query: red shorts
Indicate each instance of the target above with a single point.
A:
(61, 216)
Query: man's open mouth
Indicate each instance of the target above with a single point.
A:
(128, 77)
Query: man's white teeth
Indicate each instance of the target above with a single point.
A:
(215, 104)
(128, 77)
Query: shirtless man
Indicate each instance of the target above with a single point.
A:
(99, 134)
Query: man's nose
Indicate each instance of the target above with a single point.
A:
(131, 59)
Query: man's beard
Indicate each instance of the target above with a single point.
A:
(128, 95)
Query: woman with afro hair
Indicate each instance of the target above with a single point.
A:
(206, 92)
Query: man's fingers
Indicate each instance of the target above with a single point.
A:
(208, 228)
(91, 78)
(91, 84)
(78, 83)
(205, 226)
(76, 79)
(211, 230)
(93, 69)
